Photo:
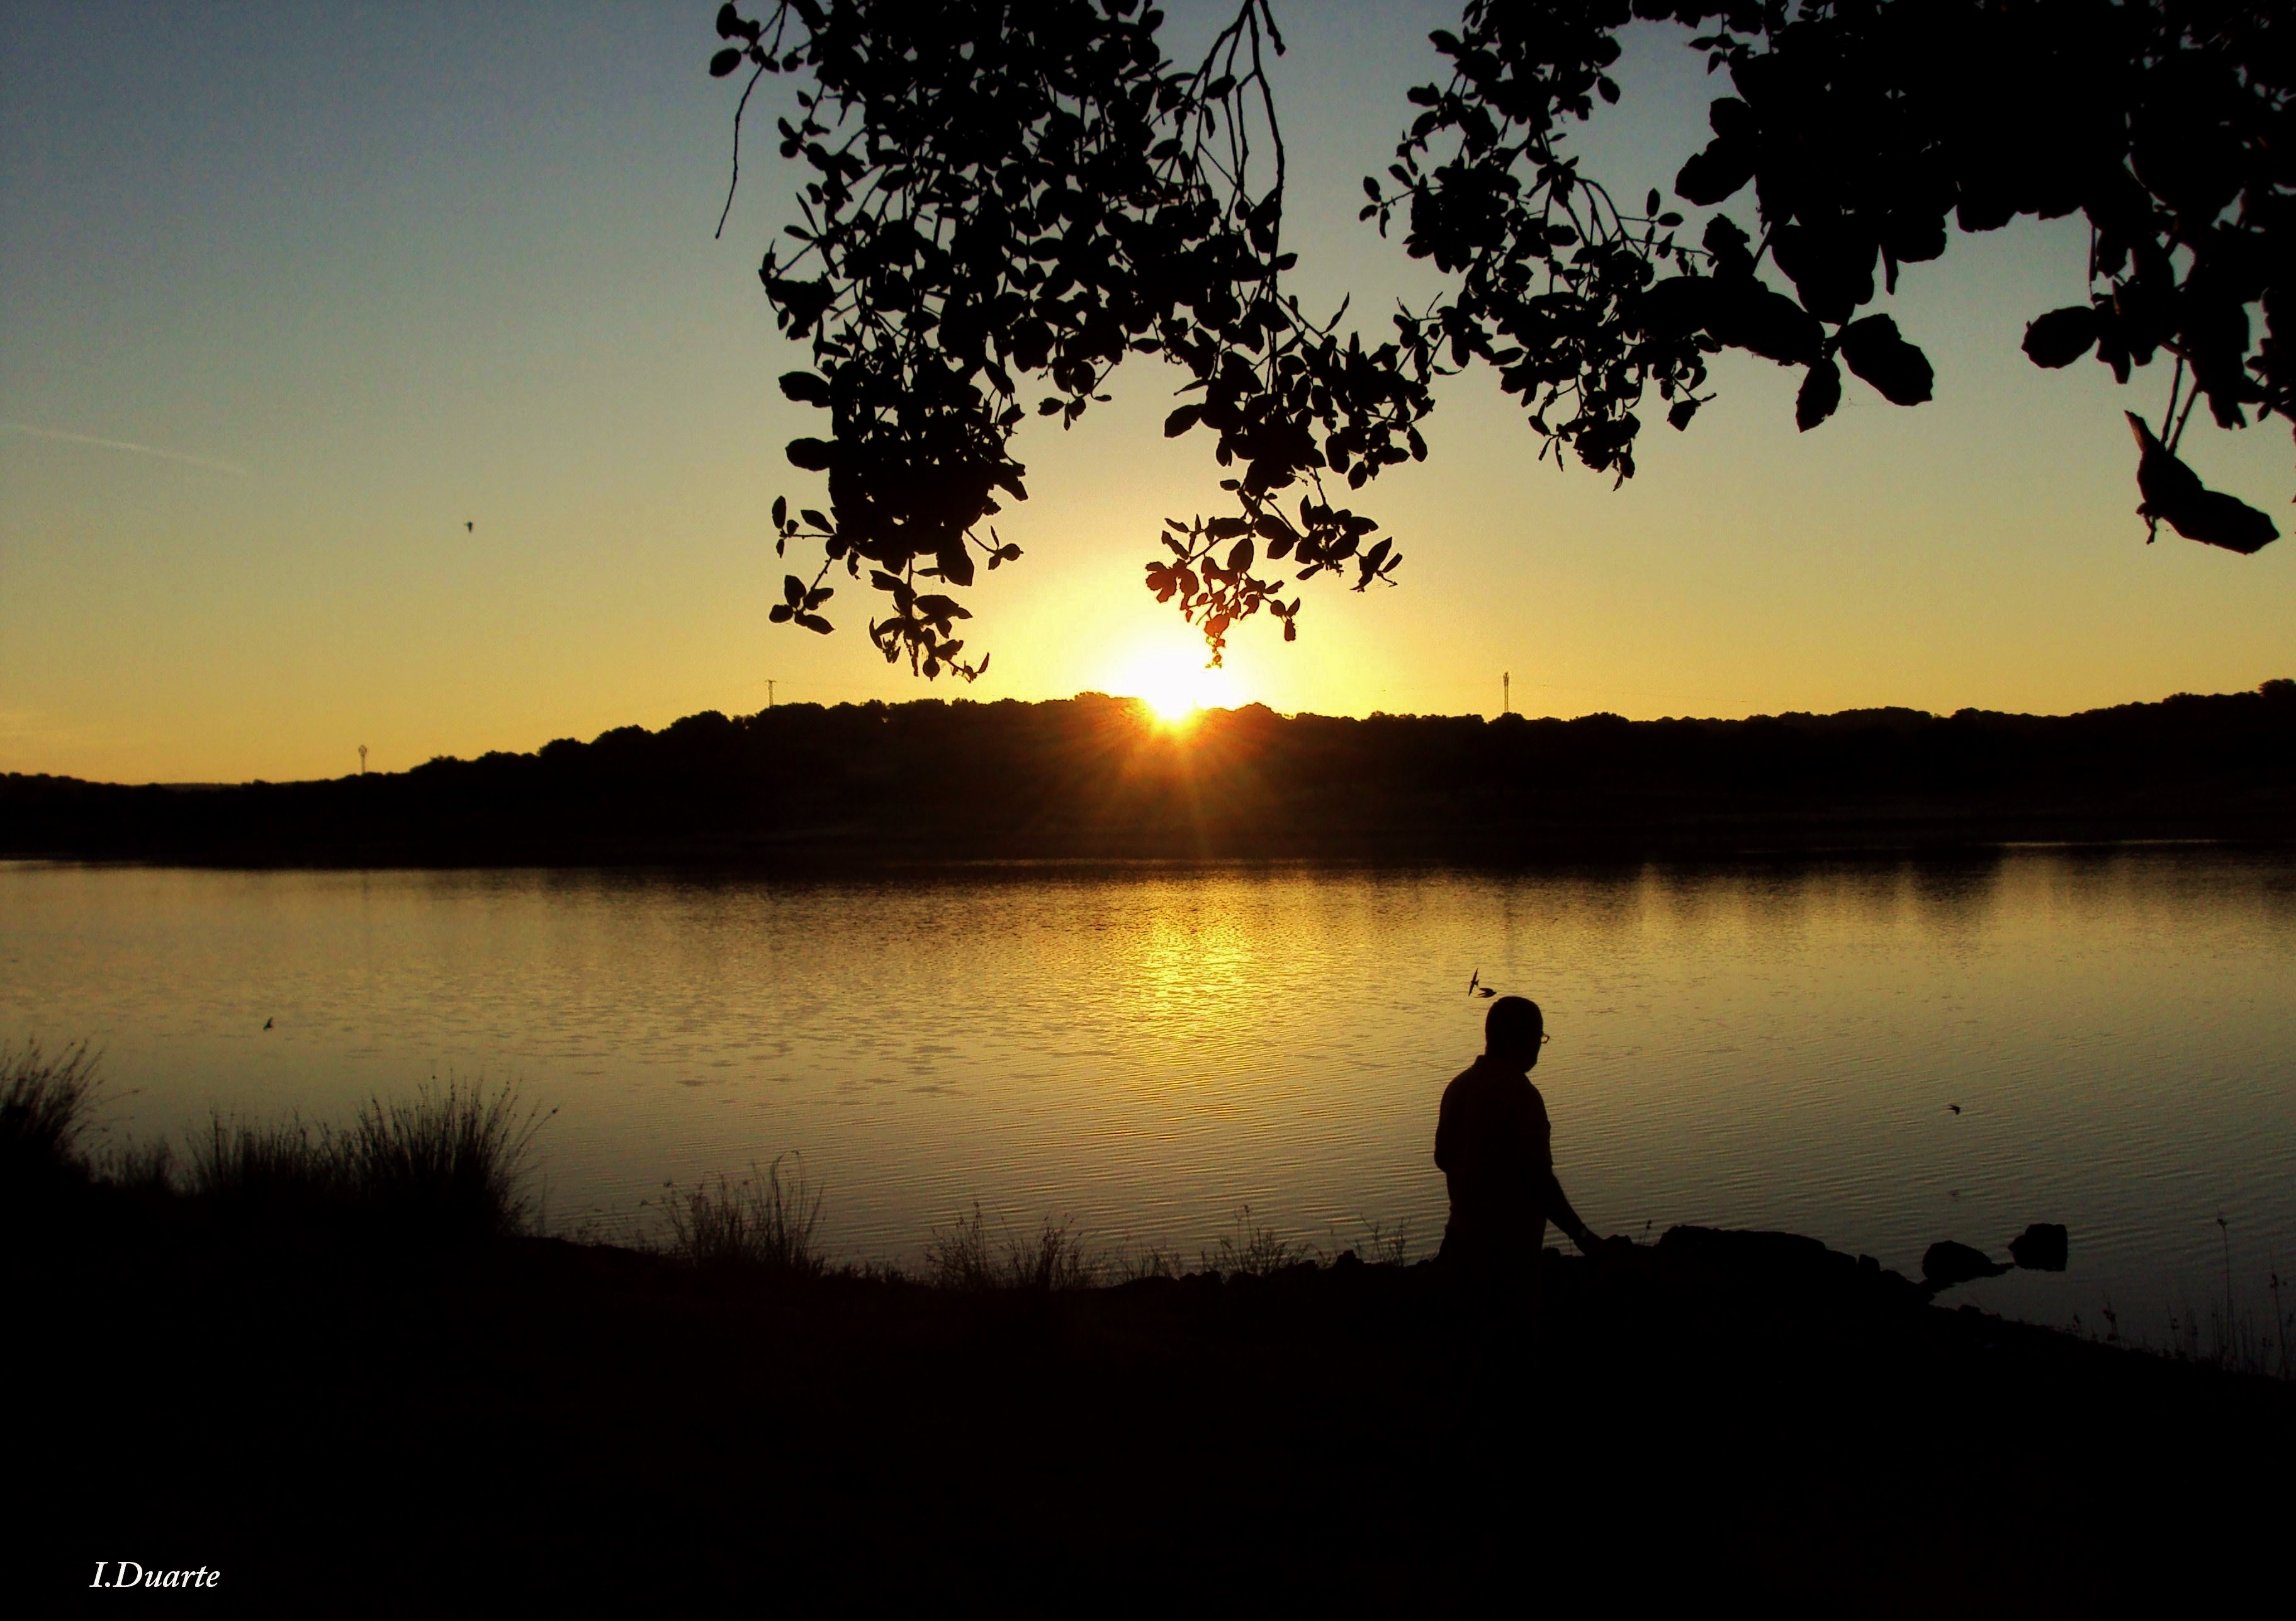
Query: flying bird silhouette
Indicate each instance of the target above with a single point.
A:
(266, 1023)
(1474, 979)
(1956, 1107)
(471, 524)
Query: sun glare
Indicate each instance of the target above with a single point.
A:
(1177, 684)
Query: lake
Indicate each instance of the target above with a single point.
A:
(1144, 1052)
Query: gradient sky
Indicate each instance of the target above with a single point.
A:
(288, 293)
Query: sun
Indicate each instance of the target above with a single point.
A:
(1176, 684)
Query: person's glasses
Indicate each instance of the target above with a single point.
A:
(1545, 1036)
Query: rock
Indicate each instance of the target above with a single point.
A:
(2040, 1247)
(1945, 1263)
(1770, 1257)
(1779, 1266)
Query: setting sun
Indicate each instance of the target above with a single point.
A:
(1176, 683)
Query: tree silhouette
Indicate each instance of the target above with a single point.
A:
(1006, 200)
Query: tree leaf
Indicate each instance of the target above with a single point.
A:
(1715, 174)
(1821, 393)
(2217, 519)
(1752, 317)
(2062, 336)
(1898, 371)
(1677, 305)
(725, 61)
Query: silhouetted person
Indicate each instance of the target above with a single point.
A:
(1492, 1141)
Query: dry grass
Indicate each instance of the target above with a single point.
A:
(2228, 1336)
(46, 1108)
(1381, 1248)
(1252, 1252)
(961, 1257)
(1154, 1261)
(454, 1158)
(761, 1223)
(453, 1163)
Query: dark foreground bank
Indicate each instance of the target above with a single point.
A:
(341, 1418)
(802, 786)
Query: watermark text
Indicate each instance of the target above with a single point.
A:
(129, 1573)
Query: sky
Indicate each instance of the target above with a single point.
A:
(290, 294)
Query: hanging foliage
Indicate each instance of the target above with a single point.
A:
(1005, 201)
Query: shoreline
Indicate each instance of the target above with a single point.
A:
(340, 1361)
(862, 786)
(1944, 841)
(1773, 1417)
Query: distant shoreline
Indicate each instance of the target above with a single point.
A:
(877, 787)
(832, 863)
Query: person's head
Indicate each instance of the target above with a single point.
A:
(1513, 1030)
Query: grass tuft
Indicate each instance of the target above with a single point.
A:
(451, 1164)
(1151, 1261)
(145, 1168)
(455, 1159)
(760, 1223)
(1382, 1248)
(1252, 1252)
(239, 1166)
(47, 1106)
(961, 1257)
(2235, 1340)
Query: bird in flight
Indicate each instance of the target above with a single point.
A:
(1956, 1107)
(1474, 979)
(266, 1023)
(471, 524)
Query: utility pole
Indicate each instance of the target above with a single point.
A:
(1506, 692)
(362, 759)
(769, 695)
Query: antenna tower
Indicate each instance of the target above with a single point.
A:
(362, 759)
(1506, 692)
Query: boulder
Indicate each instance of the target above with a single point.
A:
(2040, 1247)
(1945, 1263)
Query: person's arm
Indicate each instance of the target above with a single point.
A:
(1558, 1212)
(1544, 1187)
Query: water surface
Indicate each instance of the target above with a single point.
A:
(1146, 1050)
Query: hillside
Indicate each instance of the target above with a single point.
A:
(1098, 777)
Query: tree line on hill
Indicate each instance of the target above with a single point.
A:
(1100, 778)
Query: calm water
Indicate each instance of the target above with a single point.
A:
(1146, 1050)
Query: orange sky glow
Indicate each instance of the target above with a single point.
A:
(274, 335)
